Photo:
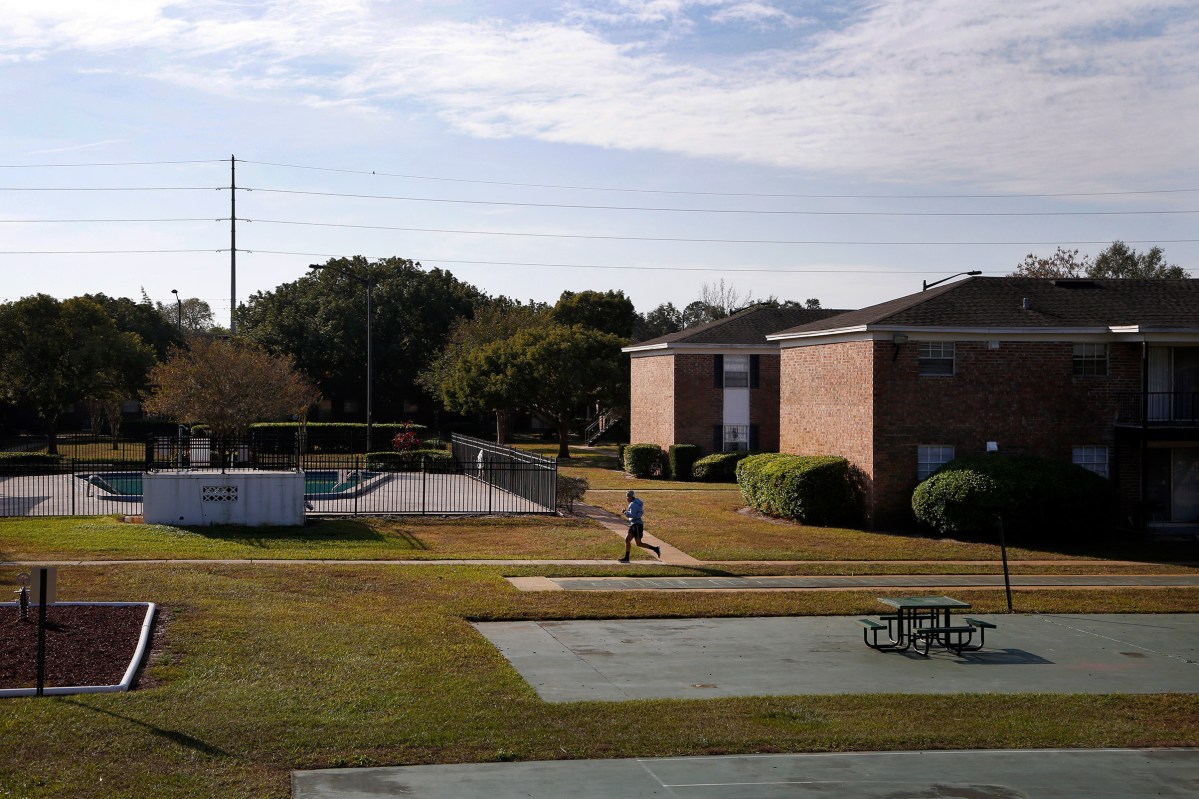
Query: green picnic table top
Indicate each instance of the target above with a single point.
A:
(919, 602)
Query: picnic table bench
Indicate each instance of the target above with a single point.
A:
(919, 622)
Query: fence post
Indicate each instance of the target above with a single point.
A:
(71, 482)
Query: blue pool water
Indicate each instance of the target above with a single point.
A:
(129, 484)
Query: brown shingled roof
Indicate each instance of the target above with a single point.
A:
(744, 327)
(997, 302)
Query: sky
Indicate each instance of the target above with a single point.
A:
(843, 151)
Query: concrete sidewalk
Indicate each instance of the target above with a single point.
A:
(990, 774)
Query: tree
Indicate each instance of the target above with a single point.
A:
(320, 321)
(724, 300)
(468, 376)
(140, 318)
(228, 385)
(565, 369)
(1117, 261)
(1120, 260)
(1062, 264)
(609, 311)
(58, 353)
(700, 312)
(663, 320)
(190, 315)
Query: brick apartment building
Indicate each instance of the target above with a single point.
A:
(715, 385)
(1098, 371)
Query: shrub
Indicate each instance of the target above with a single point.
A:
(682, 458)
(644, 460)
(406, 441)
(1038, 497)
(570, 491)
(29, 458)
(719, 467)
(810, 489)
(414, 460)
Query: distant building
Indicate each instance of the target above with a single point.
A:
(716, 384)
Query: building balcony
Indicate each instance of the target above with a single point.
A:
(1159, 409)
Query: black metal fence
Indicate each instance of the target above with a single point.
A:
(92, 478)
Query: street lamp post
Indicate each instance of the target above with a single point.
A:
(178, 311)
(369, 282)
(928, 285)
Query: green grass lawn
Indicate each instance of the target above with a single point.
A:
(262, 669)
(409, 538)
(259, 669)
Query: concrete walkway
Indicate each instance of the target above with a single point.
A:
(990, 774)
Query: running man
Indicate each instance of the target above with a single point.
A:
(636, 529)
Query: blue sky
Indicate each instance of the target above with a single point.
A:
(844, 151)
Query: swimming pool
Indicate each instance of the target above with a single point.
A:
(318, 484)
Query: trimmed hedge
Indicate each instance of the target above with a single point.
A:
(645, 460)
(719, 467)
(682, 458)
(410, 461)
(32, 458)
(812, 489)
(1038, 497)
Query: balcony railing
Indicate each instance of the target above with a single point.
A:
(1161, 408)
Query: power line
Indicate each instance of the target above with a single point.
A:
(425, 261)
(179, 219)
(728, 194)
(113, 188)
(108, 163)
(748, 211)
(680, 239)
(101, 252)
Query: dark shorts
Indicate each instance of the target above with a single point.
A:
(636, 529)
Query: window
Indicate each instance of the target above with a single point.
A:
(936, 357)
(1092, 459)
(736, 436)
(1090, 360)
(736, 371)
(931, 457)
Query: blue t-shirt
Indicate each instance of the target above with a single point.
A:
(634, 510)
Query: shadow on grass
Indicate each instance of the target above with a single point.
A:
(316, 532)
(174, 736)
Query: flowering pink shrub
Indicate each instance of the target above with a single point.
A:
(406, 441)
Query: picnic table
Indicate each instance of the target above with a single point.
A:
(921, 621)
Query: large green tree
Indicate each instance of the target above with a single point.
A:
(143, 319)
(56, 353)
(608, 311)
(566, 370)
(320, 321)
(1120, 260)
(469, 375)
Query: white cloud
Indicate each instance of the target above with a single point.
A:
(1019, 94)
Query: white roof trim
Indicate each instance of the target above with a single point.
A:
(702, 349)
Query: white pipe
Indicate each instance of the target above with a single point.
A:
(126, 682)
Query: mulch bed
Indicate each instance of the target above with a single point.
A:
(85, 645)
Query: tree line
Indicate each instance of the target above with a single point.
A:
(436, 340)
